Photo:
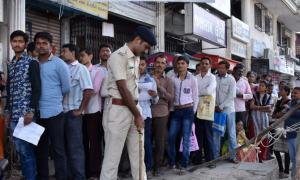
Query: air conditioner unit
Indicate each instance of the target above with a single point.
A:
(266, 53)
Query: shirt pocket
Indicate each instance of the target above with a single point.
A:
(130, 68)
(74, 81)
(186, 90)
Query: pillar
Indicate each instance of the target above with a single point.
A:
(16, 18)
(246, 18)
(160, 27)
(65, 30)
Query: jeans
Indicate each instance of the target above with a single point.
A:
(27, 155)
(182, 119)
(74, 146)
(54, 131)
(292, 145)
(148, 144)
(231, 131)
(204, 134)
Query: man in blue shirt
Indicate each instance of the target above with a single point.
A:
(74, 103)
(55, 84)
(292, 124)
(23, 91)
(148, 95)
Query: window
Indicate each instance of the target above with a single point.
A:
(258, 16)
(268, 25)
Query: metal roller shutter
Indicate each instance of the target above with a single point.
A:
(36, 22)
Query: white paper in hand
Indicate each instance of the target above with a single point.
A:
(30, 133)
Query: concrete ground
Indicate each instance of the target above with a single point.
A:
(267, 170)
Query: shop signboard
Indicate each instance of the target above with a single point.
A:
(238, 48)
(99, 9)
(205, 25)
(258, 48)
(240, 30)
(282, 65)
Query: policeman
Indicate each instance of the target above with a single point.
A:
(122, 117)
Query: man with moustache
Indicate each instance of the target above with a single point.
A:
(123, 118)
(104, 54)
(23, 93)
(55, 84)
(161, 110)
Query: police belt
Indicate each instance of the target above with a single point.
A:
(120, 102)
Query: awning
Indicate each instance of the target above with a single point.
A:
(194, 59)
(216, 59)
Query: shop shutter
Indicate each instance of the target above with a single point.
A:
(36, 22)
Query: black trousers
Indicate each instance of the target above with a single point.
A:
(54, 131)
(92, 135)
(286, 168)
(204, 134)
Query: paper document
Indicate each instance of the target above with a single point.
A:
(30, 133)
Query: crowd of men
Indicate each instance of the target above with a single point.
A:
(90, 112)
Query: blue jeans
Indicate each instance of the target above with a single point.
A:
(74, 147)
(231, 131)
(292, 145)
(27, 155)
(181, 119)
(148, 144)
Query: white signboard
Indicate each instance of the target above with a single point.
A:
(222, 5)
(238, 48)
(240, 30)
(281, 64)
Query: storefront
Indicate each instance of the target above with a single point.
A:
(89, 24)
(115, 28)
(211, 29)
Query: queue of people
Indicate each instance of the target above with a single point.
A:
(92, 112)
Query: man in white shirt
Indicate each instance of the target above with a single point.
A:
(225, 94)
(206, 87)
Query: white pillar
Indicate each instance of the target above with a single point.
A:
(160, 26)
(229, 32)
(16, 18)
(246, 17)
(293, 43)
(65, 30)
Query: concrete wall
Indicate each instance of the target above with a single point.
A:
(254, 33)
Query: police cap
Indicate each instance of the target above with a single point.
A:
(146, 35)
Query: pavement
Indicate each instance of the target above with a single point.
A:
(268, 170)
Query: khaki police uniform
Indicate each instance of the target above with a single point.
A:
(118, 121)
